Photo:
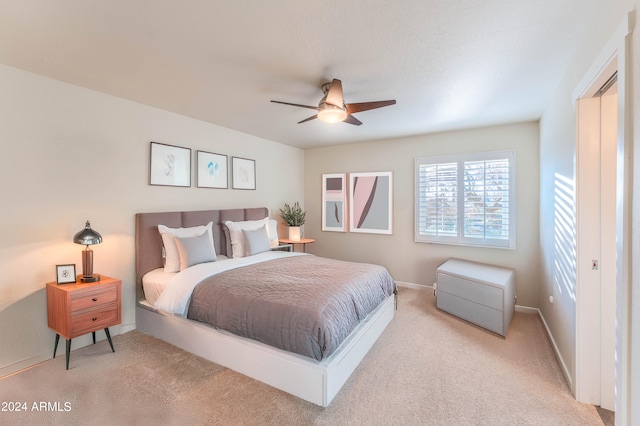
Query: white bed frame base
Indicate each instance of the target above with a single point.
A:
(314, 381)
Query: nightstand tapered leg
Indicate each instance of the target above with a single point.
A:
(68, 351)
(55, 345)
(106, 331)
(93, 334)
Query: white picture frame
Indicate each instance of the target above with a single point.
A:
(371, 202)
(243, 172)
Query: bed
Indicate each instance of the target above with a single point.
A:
(312, 362)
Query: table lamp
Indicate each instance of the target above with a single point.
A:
(88, 237)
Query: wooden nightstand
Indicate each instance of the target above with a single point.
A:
(77, 309)
(303, 241)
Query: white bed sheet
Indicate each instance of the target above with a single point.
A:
(154, 282)
(176, 294)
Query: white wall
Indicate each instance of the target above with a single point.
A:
(557, 163)
(412, 262)
(71, 154)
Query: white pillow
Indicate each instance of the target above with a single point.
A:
(172, 257)
(257, 240)
(272, 233)
(195, 250)
(237, 237)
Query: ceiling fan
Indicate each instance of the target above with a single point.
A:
(332, 109)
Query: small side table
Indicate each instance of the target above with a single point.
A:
(303, 241)
(81, 308)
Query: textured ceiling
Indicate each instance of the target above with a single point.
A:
(449, 63)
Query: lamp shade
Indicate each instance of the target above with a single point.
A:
(87, 236)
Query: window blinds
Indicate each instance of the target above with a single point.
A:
(466, 199)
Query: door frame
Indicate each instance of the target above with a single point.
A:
(613, 58)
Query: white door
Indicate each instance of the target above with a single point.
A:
(608, 170)
(596, 247)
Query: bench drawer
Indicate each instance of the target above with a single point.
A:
(481, 294)
(471, 290)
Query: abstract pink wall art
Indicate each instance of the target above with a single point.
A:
(371, 201)
(363, 191)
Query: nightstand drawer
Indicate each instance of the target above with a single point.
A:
(94, 319)
(95, 297)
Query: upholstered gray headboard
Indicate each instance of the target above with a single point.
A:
(149, 242)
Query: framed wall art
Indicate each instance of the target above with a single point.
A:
(243, 172)
(66, 274)
(371, 202)
(212, 170)
(169, 165)
(334, 202)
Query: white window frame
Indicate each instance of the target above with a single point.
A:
(460, 239)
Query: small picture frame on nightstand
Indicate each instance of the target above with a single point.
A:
(66, 274)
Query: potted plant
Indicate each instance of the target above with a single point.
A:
(293, 216)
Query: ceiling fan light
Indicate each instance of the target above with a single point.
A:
(332, 115)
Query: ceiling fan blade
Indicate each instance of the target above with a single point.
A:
(313, 117)
(334, 97)
(352, 120)
(297, 105)
(366, 106)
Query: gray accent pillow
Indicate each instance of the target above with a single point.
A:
(256, 241)
(195, 250)
(172, 258)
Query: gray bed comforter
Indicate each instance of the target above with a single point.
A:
(303, 304)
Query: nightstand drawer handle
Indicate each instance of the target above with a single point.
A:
(94, 319)
(95, 299)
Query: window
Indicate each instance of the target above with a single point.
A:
(466, 199)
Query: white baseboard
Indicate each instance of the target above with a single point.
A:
(556, 351)
(563, 366)
(414, 286)
(10, 370)
(17, 367)
(527, 309)
(125, 328)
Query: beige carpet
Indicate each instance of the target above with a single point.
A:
(427, 368)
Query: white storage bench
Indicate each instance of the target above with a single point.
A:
(481, 294)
